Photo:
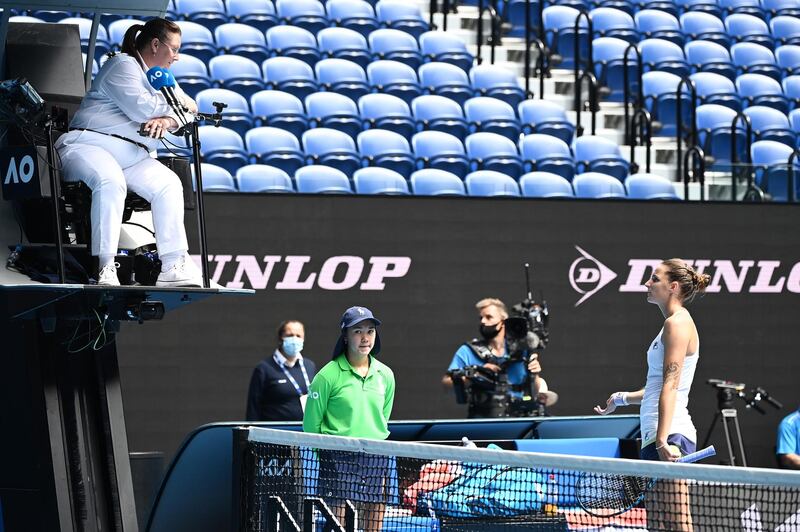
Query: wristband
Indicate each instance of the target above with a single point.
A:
(620, 398)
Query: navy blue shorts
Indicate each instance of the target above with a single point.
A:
(357, 477)
(686, 446)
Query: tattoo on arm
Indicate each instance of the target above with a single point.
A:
(671, 375)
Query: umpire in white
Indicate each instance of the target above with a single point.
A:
(105, 150)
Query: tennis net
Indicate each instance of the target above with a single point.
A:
(294, 481)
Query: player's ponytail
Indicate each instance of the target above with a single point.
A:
(690, 281)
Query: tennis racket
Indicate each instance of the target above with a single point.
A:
(607, 495)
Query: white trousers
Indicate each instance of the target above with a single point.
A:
(111, 167)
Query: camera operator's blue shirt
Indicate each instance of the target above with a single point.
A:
(789, 434)
(465, 356)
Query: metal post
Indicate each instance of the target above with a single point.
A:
(734, 151)
(55, 191)
(201, 216)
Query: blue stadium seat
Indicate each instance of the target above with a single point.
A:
(197, 40)
(274, 147)
(493, 116)
(237, 115)
(610, 22)
(356, 15)
(595, 185)
(257, 13)
(392, 77)
(446, 47)
(788, 59)
(497, 82)
(650, 187)
(395, 45)
(343, 43)
(542, 116)
(318, 179)
(191, 74)
(771, 124)
(667, 6)
(756, 89)
(333, 110)
(659, 90)
(236, 73)
(401, 15)
(699, 26)
(714, 88)
(279, 109)
(705, 6)
(791, 89)
(376, 180)
(515, 13)
(260, 178)
(216, 179)
(223, 147)
(609, 53)
(748, 7)
(663, 56)
(706, 56)
(785, 29)
(384, 111)
(50, 16)
(102, 46)
(776, 8)
(435, 182)
(438, 113)
(307, 14)
(343, 77)
(117, 29)
(387, 149)
(714, 130)
(331, 147)
(594, 153)
(657, 24)
(26, 19)
(490, 151)
(446, 80)
(436, 149)
(794, 121)
(755, 59)
(290, 75)
(488, 183)
(293, 41)
(95, 66)
(545, 153)
(771, 161)
(747, 28)
(559, 27)
(209, 13)
(243, 40)
(545, 185)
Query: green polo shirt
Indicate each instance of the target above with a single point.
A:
(343, 403)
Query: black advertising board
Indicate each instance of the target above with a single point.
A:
(421, 264)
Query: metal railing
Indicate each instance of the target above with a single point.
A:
(692, 88)
(542, 63)
(494, 37)
(748, 141)
(694, 169)
(638, 103)
(584, 74)
(643, 122)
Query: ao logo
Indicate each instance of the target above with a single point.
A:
(587, 275)
(19, 172)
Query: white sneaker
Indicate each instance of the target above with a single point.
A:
(108, 275)
(182, 273)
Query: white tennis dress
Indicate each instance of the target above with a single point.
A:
(648, 413)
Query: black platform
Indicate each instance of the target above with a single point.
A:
(64, 461)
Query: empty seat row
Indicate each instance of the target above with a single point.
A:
(332, 109)
(486, 183)
(427, 149)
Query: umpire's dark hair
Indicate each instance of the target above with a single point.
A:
(139, 35)
(282, 328)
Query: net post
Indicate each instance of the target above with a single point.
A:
(238, 480)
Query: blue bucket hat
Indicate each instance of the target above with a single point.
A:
(354, 316)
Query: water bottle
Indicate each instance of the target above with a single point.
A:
(551, 496)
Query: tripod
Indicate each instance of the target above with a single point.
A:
(728, 416)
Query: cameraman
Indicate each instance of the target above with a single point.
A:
(491, 352)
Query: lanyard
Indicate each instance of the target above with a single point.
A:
(291, 379)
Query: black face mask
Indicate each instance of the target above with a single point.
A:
(489, 331)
